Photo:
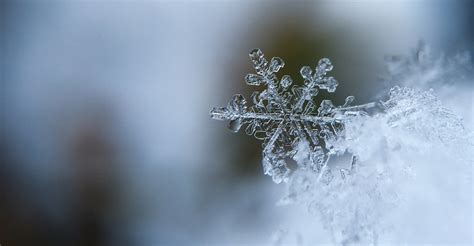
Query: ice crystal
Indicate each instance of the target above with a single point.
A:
(286, 118)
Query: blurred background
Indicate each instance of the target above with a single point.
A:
(105, 130)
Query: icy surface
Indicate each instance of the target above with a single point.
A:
(286, 118)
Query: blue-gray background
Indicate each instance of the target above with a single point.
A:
(106, 137)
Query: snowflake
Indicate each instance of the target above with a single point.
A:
(286, 118)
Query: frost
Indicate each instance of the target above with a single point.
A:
(285, 116)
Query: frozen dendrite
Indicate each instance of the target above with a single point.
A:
(285, 116)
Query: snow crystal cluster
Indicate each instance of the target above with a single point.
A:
(286, 118)
(410, 167)
(413, 138)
